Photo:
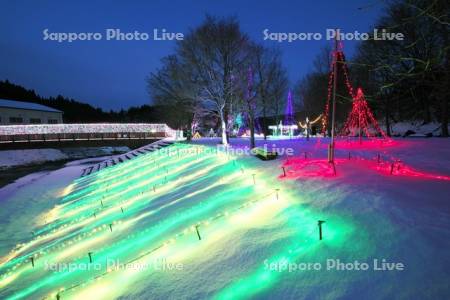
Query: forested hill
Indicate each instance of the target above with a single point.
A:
(78, 112)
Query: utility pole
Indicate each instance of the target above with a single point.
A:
(335, 74)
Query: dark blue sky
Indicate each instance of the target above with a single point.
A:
(111, 74)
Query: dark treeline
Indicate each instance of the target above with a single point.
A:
(78, 112)
(404, 80)
(410, 79)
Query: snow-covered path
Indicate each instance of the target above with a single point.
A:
(252, 221)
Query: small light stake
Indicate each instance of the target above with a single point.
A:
(198, 233)
(90, 257)
(276, 192)
(284, 171)
(254, 181)
(320, 222)
(334, 167)
(154, 188)
(32, 261)
(110, 227)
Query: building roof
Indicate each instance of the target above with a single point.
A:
(26, 105)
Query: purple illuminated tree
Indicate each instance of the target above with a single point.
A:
(289, 111)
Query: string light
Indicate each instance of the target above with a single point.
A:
(338, 60)
(76, 229)
(361, 119)
(86, 128)
(289, 111)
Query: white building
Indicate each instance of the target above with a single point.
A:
(17, 112)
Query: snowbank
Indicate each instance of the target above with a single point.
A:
(13, 158)
(415, 129)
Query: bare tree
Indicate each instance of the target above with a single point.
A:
(216, 50)
(173, 86)
(270, 80)
(211, 66)
(312, 88)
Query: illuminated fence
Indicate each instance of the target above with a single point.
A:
(73, 132)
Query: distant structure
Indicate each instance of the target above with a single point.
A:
(20, 113)
(289, 111)
(287, 127)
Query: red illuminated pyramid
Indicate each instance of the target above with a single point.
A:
(360, 121)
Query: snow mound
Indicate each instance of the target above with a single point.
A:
(11, 158)
(199, 223)
(415, 129)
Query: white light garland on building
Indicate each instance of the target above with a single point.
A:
(86, 128)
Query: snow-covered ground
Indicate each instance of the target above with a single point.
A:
(12, 158)
(22, 201)
(418, 127)
(387, 201)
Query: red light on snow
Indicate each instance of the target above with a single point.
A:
(364, 144)
(300, 167)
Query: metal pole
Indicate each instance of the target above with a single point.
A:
(335, 74)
